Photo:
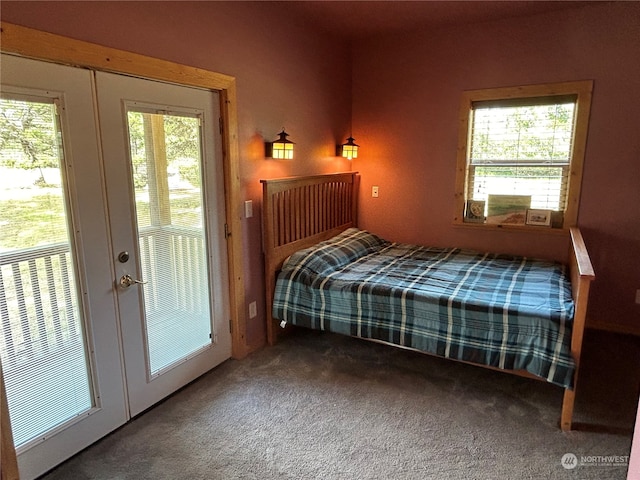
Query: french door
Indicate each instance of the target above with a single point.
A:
(166, 198)
(112, 258)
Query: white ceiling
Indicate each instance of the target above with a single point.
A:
(363, 18)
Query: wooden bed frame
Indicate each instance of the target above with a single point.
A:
(298, 212)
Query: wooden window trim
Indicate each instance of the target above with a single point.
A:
(583, 89)
(45, 46)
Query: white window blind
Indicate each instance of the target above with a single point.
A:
(42, 342)
(522, 146)
(166, 168)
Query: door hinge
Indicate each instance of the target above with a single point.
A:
(221, 124)
(227, 232)
(230, 326)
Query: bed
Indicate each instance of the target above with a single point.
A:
(514, 314)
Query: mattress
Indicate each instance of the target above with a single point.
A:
(503, 311)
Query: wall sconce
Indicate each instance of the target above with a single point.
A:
(347, 150)
(280, 148)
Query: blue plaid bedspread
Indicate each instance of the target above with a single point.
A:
(505, 311)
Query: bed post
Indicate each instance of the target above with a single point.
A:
(582, 274)
(268, 242)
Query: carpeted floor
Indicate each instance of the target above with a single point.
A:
(321, 406)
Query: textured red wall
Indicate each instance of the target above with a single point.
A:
(287, 76)
(406, 97)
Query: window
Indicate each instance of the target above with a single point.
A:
(521, 151)
(43, 350)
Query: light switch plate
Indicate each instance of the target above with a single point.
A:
(248, 209)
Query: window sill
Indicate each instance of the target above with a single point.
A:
(513, 228)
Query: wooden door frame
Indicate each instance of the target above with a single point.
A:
(31, 43)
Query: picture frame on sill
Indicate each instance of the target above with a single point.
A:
(507, 209)
(539, 217)
(474, 211)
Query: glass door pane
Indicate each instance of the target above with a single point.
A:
(160, 152)
(165, 155)
(42, 346)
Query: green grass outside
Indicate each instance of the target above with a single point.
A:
(40, 219)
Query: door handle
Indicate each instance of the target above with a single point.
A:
(127, 280)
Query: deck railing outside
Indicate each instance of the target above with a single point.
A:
(183, 278)
(37, 301)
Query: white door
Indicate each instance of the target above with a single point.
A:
(166, 208)
(59, 348)
(86, 212)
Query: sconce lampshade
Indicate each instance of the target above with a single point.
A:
(282, 148)
(350, 149)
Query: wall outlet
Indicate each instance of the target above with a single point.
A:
(253, 310)
(374, 191)
(638, 296)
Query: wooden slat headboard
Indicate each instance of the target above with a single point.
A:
(298, 212)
